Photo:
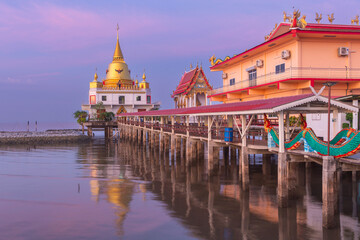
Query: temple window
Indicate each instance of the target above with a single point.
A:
(121, 99)
(138, 98)
(148, 99)
(252, 78)
(280, 68)
(232, 81)
(103, 98)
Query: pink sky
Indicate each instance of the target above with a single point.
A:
(58, 44)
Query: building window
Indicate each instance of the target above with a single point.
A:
(121, 99)
(252, 78)
(148, 99)
(232, 81)
(103, 98)
(280, 68)
(138, 98)
(92, 99)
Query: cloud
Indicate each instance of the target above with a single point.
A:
(57, 28)
(29, 79)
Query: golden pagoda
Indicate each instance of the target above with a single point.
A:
(118, 71)
(118, 93)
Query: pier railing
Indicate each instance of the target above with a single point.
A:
(254, 137)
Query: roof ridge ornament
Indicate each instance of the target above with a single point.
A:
(317, 93)
(318, 17)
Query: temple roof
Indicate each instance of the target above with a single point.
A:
(284, 29)
(188, 81)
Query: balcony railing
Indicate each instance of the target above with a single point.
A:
(133, 87)
(292, 72)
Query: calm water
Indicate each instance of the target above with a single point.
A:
(123, 191)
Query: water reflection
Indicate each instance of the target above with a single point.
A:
(127, 189)
(218, 208)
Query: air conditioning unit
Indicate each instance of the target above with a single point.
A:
(343, 51)
(224, 75)
(285, 54)
(259, 63)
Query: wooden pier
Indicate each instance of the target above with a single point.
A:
(107, 126)
(199, 133)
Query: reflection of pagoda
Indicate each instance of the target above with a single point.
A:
(118, 92)
(116, 191)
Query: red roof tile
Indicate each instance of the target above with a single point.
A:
(187, 81)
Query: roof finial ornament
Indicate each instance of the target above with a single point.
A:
(318, 17)
(117, 30)
(286, 17)
(144, 76)
(95, 75)
(331, 18)
(191, 66)
(355, 20)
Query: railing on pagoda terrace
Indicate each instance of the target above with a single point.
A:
(133, 87)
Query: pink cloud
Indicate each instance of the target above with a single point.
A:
(59, 28)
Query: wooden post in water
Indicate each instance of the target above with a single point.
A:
(330, 208)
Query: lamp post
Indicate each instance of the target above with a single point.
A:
(329, 84)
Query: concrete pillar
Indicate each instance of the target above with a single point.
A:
(144, 137)
(226, 151)
(233, 156)
(188, 151)
(162, 141)
(156, 139)
(244, 157)
(173, 144)
(166, 143)
(282, 189)
(330, 208)
(287, 130)
(355, 121)
(139, 135)
(200, 149)
(178, 146)
(210, 153)
(193, 149)
(281, 133)
(335, 123)
(266, 164)
(292, 172)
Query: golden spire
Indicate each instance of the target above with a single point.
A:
(96, 76)
(118, 56)
(144, 77)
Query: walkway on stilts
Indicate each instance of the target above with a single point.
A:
(190, 128)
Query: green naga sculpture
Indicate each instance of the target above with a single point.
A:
(345, 143)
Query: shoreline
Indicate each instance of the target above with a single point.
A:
(44, 137)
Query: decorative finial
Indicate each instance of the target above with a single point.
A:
(318, 17)
(212, 60)
(355, 20)
(286, 17)
(117, 30)
(191, 66)
(331, 18)
(144, 76)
